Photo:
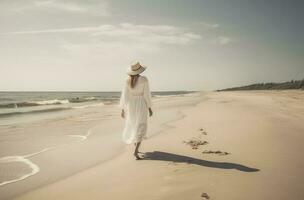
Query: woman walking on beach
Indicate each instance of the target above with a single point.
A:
(135, 103)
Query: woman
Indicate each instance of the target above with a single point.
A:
(135, 103)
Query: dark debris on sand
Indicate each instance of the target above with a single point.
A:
(221, 153)
(202, 131)
(195, 143)
(205, 195)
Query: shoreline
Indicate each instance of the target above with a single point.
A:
(249, 127)
(159, 127)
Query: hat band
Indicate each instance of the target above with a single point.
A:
(136, 68)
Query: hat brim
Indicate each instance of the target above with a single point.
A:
(138, 71)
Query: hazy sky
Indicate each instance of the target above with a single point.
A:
(83, 45)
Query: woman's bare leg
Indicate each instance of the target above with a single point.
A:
(136, 150)
(137, 147)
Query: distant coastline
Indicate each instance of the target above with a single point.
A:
(293, 84)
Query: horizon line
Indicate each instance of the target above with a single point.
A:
(92, 91)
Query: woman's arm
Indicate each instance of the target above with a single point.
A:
(148, 97)
(150, 112)
(147, 94)
(122, 113)
(124, 99)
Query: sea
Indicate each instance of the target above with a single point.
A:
(14, 105)
(45, 136)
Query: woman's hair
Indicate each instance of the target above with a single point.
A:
(133, 80)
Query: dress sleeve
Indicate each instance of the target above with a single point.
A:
(124, 96)
(147, 94)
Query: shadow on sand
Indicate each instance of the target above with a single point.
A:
(164, 156)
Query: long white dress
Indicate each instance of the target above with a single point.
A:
(136, 102)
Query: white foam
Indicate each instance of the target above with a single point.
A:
(90, 105)
(23, 159)
(36, 153)
(82, 137)
(34, 168)
(90, 98)
(53, 101)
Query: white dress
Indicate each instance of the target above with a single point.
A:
(136, 102)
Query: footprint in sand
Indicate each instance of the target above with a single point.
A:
(221, 153)
(195, 143)
(203, 131)
(205, 195)
(172, 163)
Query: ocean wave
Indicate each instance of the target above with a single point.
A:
(34, 103)
(52, 102)
(79, 100)
(9, 114)
(90, 98)
(18, 104)
(46, 102)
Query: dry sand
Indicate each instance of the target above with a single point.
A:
(262, 132)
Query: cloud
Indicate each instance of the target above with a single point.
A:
(222, 40)
(62, 30)
(67, 6)
(150, 33)
(128, 33)
(208, 25)
(99, 8)
(126, 41)
(213, 33)
(157, 34)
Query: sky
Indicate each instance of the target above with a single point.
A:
(77, 45)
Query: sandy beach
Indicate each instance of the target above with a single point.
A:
(208, 145)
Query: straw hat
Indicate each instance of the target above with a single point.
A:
(135, 68)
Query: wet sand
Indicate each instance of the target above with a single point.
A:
(220, 145)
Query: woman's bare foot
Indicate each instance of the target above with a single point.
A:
(137, 156)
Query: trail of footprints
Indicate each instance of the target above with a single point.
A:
(196, 143)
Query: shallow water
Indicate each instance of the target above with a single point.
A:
(39, 148)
